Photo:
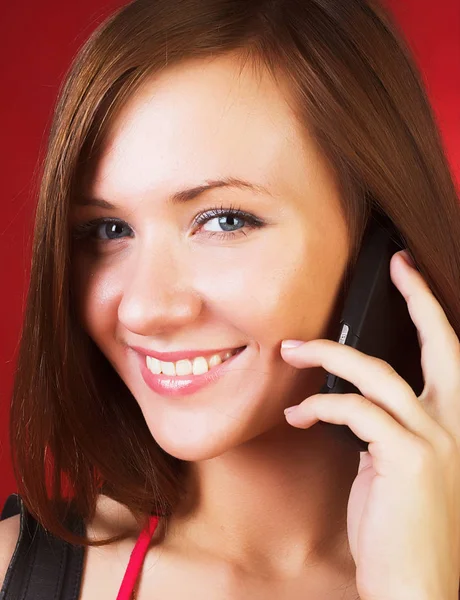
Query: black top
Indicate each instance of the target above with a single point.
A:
(43, 567)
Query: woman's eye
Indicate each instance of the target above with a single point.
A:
(227, 222)
(101, 229)
(110, 230)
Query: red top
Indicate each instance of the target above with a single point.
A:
(136, 559)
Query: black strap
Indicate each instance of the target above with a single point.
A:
(43, 567)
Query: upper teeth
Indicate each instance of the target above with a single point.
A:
(199, 365)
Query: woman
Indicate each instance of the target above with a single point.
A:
(210, 173)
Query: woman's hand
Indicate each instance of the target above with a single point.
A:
(403, 517)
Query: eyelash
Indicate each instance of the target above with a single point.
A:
(88, 229)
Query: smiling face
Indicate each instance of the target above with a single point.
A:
(160, 281)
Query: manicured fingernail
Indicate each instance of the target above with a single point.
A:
(290, 409)
(291, 343)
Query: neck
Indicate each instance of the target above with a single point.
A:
(275, 504)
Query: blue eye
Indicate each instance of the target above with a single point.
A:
(110, 228)
(227, 222)
(230, 215)
(91, 229)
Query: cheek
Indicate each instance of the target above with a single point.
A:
(311, 291)
(97, 294)
(277, 291)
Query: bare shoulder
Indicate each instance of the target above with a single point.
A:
(9, 534)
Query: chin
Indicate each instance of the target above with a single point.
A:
(199, 443)
(193, 450)
(208, 444)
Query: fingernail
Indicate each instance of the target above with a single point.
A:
(408, 258)
(291, 343)
(290, 409)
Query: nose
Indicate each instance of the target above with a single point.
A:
(158, 293)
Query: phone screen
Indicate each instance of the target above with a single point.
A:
(375, 318)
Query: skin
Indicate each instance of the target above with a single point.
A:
(265, 497)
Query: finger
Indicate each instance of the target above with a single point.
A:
(374, 378)
(390, 443)
(440, 346)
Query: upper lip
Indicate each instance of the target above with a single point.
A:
(175, 356)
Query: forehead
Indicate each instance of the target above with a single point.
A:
(198, 120)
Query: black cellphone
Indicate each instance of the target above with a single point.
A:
(375, 318)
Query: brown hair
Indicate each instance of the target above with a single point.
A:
(354, 86)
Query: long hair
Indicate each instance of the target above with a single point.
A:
(75, 428)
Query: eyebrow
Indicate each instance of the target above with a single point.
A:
(183, 196)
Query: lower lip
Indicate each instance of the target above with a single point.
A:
(181, 385)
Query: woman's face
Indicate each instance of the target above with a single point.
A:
(162, 282)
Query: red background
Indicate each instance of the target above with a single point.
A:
(38, 41)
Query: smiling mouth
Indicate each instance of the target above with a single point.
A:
(186, 367)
